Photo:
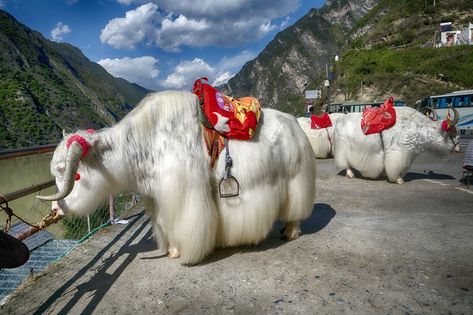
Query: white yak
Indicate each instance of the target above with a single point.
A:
(393, 150)
(158, 151)
(321, 140)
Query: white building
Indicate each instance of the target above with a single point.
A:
(450, 37)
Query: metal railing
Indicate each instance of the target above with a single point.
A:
(14, 153)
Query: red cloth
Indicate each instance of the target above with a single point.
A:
(81, 140)
(233, 118)
(446, 123)
(320, 122)
(375, 120)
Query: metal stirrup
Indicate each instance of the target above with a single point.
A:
(228, 186)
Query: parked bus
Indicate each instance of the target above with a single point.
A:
(461, 100)
(357, 107)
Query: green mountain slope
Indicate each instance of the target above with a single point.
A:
(46, 87)
(396, 54)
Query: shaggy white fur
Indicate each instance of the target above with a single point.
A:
(158, 151)
(320, 139)
(392, 151)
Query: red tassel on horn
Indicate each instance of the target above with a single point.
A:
(81, 140)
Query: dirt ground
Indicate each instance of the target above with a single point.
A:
(370, 247)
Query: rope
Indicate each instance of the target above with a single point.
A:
(9, 212)
(228, 160)
(46, 221)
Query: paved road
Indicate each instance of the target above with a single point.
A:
(370, 247)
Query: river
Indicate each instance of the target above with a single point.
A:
(22, 172)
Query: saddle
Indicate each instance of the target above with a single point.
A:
(230, 117)
(320, 122)
(375, 120)
(224, 117)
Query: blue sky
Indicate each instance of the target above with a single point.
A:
(163, 44)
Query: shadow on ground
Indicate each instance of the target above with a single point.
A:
(322, 214)
(98, 285)
(410, 176)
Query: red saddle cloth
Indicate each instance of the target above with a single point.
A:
(232, 118)
(375, 120)
(320, 122)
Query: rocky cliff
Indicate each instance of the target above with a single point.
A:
(299, 54)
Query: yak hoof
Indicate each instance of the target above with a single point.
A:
(291, 231)
(173, 252)
(350, 173)
(399, 180)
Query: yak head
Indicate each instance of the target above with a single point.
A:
(79, 180)
(448, 131)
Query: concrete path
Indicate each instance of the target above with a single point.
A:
(370, 247)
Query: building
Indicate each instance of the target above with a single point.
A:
(451, 37)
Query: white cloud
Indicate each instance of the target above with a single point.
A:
(236, 62)
(59, 31)
(140, 70)
(226, 10)
(126, 2)
(187, 23)
(181, 31)
(183, 76)
(222, 78)
(136, 26)
(284, 23)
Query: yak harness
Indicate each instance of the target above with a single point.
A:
(320, 122)
(224, 117)
(375, 120)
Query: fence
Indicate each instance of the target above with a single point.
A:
(69, 227)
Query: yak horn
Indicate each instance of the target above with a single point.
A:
(456, 116)
(431, 110)
(74, 153)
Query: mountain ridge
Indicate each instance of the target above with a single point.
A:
(286, 65)
(48, 86)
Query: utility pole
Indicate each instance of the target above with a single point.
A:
(328, 85)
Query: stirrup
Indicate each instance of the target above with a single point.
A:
(228, 187)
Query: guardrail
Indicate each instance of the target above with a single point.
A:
(13, 153)
(26, 191)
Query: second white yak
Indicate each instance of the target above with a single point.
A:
(321, 140)
(393, 150)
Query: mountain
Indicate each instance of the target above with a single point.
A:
(298, 55)
(391, 51)
(386, 47)
(46, 87)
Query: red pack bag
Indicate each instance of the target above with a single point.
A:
(233, 118)
(375, 120)
(320, 122)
